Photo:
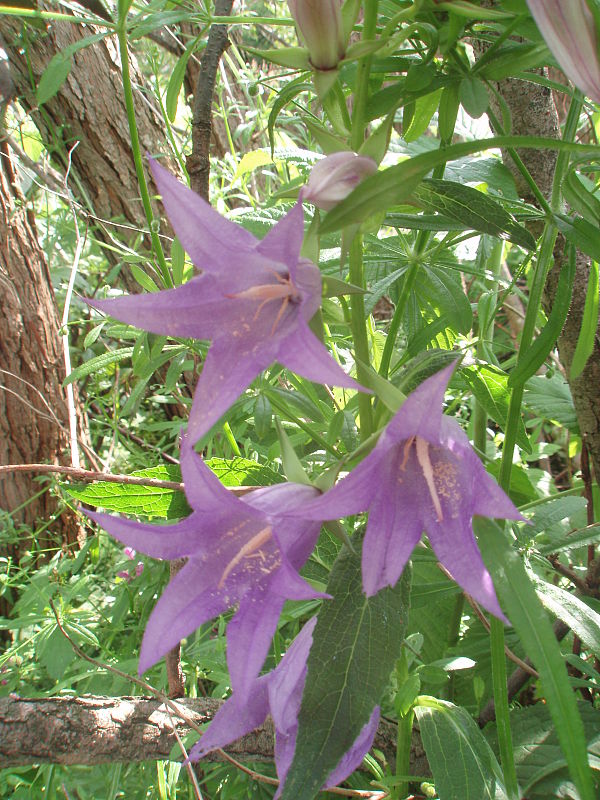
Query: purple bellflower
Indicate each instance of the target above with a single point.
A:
(279, 693)
(423, 475)
(335, 176)
(253, 299)
(320, 26)
(238, 554)
(569, 30)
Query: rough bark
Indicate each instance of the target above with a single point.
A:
(97, 730)
(88, 111)
(33, 408)
(533, 112)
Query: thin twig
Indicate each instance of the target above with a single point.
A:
(482, 618)
(89, 476)
(186, 760)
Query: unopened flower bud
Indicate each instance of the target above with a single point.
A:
(334, 177)
(320, 26)
(569, 30)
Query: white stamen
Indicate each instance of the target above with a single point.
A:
(255, 543)
(423, 458)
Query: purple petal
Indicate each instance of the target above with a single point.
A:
(233, 721)
(394, 528)
(353, 494)
(353, 758)
(283, 242)
(287, 583)
(193, 310)
(307, 356)
(210, 239)
(489, 500)
(228, 370)
(454, 544)
(180, 610)
(204, 490)
(421, 412)
(286, 682)
(158, 541)
(249, 636)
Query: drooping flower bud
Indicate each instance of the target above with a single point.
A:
(569, 30)
(335, 176)
(320, 27)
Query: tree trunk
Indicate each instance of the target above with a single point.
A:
(33, 409)
(88, 113)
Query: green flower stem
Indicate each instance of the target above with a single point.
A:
(392, 333)
(403, 745)
(500, 691)
(284, 410)
(360, 336)
(137, 153)
(361, 95)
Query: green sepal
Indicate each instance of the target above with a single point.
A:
(294, 471)
(292, 57)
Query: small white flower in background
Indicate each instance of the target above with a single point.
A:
(335, 176)
(569, 30)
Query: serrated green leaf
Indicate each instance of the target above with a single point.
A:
(522, 606)
(473, 209)
(489, 384)
(355, 646)
(551, 399)
(460, 758)
(163, 503)
(98, 364)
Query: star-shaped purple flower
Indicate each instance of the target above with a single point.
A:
(423, 475)
(253, 299)
(279, 693)
(238, 554)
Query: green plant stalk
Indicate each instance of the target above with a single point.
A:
(360, 335)
(361, 95)
(281, 407)
(403, 746)
(392, 333)
(137, 153)
(514, 412)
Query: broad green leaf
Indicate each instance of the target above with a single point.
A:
(395, 185)
(473, 209)
(522, 606)
(553, 510)
(473, 96)
(53, 77)
(460, 758)
(541, 768)
(263, 416)
(251, 161)
(535, 355)
(582, 538)
(579, 616)
(164, 503)
(580, 198)
(589, 324)
(355, 646)
(551, 399)
(424, 110)
(489, 384)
